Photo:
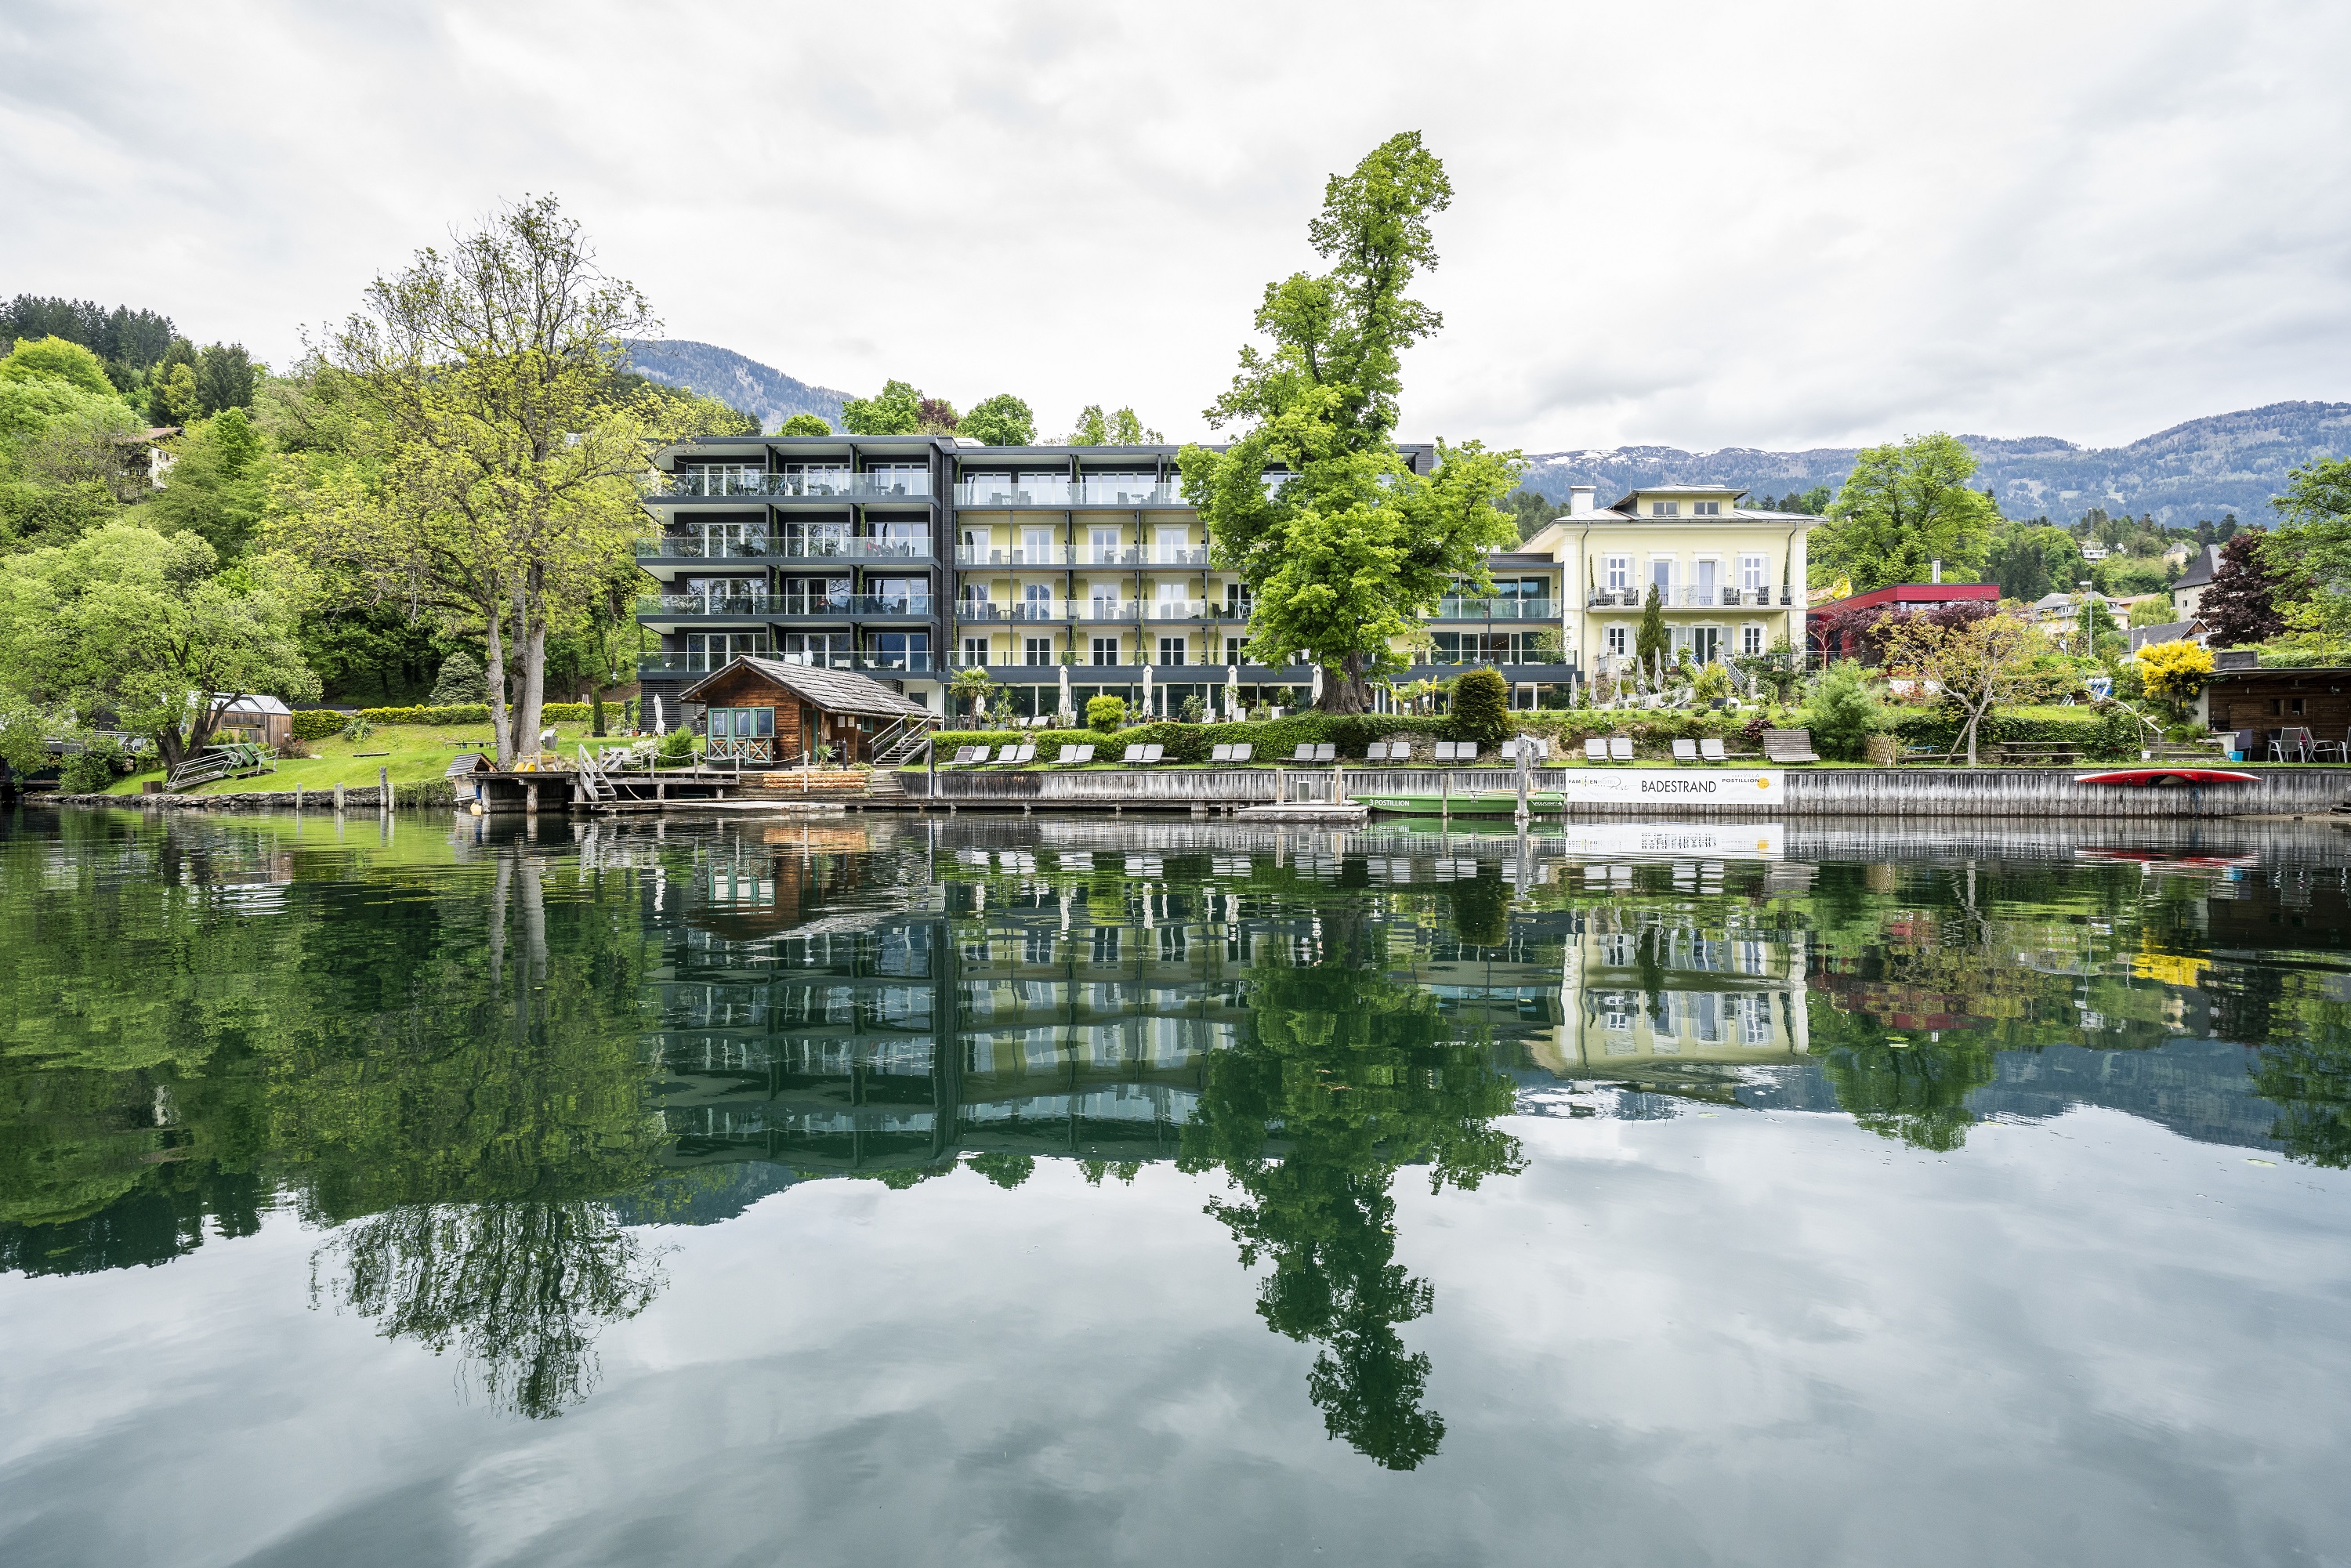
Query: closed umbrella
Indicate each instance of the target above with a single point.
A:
(1146, 689)
(1232, 691)
(1317, 686)
(1065, 693)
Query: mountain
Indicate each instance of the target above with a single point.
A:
(2202, 469)
(737, 382)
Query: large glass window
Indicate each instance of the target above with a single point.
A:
(1752, 569)
(1171, 650)
(899, 650)
(714, 650)
(1105, 546)
(1619, 574)
(1106, 650)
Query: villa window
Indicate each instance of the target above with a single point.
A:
(1614, 641)
(1706, 509)
(1233, 650)
(1751, 638)
(1171, 650)
(1665, 508)
(1039, 651)
(1619, 574)
(1751, 569)
(974, 650)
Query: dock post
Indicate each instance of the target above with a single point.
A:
(339, 799)
(530, 800)
(383, 789)
(298, 796)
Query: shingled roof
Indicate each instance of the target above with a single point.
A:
(834, 691)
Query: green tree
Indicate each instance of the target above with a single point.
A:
(219, 484)
(1000, 420)
(1903, 508)
(1649, 642)
(1980, 665)
(1533, 510)
(895, 410)
(2311, 551)
(2030, 562)
(1093, 428)
(1482, 706)
(2155, 610)
(225, 377)
(804, 424)
(1105, 713)
(55, 360)
(1345, 548)
(147, 628)
(1843, 711)
(495, 483)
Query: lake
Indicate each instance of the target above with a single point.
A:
(425, 1190)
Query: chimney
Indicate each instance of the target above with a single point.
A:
(1939, 574)
(1579, 500)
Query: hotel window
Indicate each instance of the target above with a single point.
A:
(1750, 573)
(1665, 508)
(1751, 638)
(1620, 573)
(1105, 650)
(1105, 547)
(1614, 641)
(1233, 650)
(1037, 650)
(1171, 650)
(974, 650)
(1706, 510)
(1037, 547)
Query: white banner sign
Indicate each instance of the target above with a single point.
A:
(1668, 787)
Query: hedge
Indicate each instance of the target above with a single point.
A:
(459, 713)
(2104, 731)
(1352, 734)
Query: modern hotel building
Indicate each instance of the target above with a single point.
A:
(912, 557)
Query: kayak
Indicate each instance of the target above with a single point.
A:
(2167, 777)
(1479, 803)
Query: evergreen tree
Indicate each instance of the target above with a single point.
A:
(1649, 642)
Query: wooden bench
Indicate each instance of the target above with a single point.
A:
(1787, 746)
(2027, 754)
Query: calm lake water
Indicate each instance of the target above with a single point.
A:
(883, 1191)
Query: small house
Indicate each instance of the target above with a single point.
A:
(763, 710)
(253, 720)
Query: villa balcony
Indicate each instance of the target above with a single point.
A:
(1687, 599)
(1496, 609)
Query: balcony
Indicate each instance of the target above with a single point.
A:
(1496, 609)
(769, 547)
(973, 610)
(1686, 599)
(1056, 556)
(783, 606)
(1060, 490)
(703, 663)
(833, 485)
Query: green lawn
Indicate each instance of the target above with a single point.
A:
(417, 752)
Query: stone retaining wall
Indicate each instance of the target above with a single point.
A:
(427, 793)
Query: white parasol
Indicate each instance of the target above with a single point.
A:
(1317, 697)
(1146, 691)
(1064, 709)
(1232, 692)
(661, 723)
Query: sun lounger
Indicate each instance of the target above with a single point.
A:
(1786, 746)
(1326, 752)
(1620, 748)
(1155, 753)
(1465, 751)
(1220, 754)
(1711, 751)
(1596, 750)
(1304, 754)
(1072, 754)
(1132, 754)
(1685, 751)
(968, 754)
(1243, 752)
(1027, 754)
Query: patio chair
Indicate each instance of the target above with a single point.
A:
(1712, 751)
(1377, 751)
(2319, 750)
(1685, 751)
(1244, 751)
(1132, 754)
(1620, 748)
(1465, 751)
(1596, 750)
(1305, 753)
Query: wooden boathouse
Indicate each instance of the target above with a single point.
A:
(758, 710)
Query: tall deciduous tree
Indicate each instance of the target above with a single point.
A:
(895, 410)
(144, 627)
(1904, 508)
(1344, 547)
(495, 482)
(2313, 550)
(1981, 664)
(2241, 607)
(1000, 420)
(804, 424)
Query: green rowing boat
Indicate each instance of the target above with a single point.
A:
(1480, 803)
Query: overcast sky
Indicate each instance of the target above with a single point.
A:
(1698, 225)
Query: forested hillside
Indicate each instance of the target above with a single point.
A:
(726, 376)
(2203, 469)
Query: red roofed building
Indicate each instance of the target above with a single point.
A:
(1836, 627)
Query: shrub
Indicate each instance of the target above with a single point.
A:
(462, 680)
(358, 730)
(1482, 706)
(462, 713)
(319, 723)
(1712, 681)
(1843, 712)
(564, 713)
(91, 770)
(1105, 713)
(1192, 711)
(2174, 671)
(678, 746)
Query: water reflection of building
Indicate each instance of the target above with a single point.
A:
(1649, 999)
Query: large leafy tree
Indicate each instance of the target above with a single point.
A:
(144, 627)
(1905, 506)
(2312, 550)
(2241, 607)
(895, 410)
(1980, 663)
(1000, 420)
(1344, 547)
(497, 447)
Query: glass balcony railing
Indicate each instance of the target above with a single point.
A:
(774, 605)
(720, 604)
(1686, 599)
(828, 485)
(1496, 609)
(703, 663)
(1027, 610)
(988, 555)
(1126, 493)
(763, 547)
(1059, 490)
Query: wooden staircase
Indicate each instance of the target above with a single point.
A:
(883, 788)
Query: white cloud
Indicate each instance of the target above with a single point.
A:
(1704, 224)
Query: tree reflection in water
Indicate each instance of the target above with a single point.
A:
(1346, 1074)
(520, 1291)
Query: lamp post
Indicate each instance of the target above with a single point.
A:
(2089, 637)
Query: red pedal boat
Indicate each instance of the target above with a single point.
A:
(2168, 778)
